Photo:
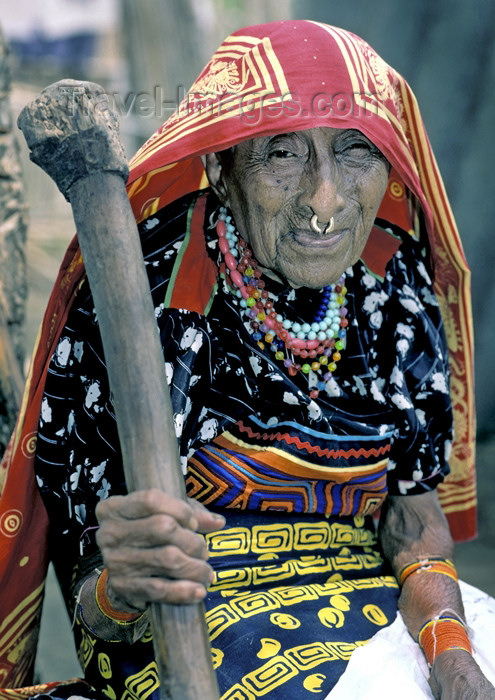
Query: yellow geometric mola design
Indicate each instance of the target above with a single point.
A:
(140, 685)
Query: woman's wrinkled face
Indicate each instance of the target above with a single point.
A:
(275, 184)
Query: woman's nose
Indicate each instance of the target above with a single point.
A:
(323, 192)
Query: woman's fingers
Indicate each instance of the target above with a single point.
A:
(206, 519)
(142, 504)
(152, 519)
(150, 532)
(151, 549)
(168, 562)
(152, 590)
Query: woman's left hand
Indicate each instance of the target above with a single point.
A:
(455, 675)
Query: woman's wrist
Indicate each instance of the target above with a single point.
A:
(96, 613)
(443, 634)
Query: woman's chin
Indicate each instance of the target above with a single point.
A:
(314, 279)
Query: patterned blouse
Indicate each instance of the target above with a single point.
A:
(383, 425)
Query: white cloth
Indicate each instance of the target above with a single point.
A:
(392, 665)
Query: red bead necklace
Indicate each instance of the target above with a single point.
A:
(320, 343)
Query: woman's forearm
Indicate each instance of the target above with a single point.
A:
(414, 534)
(414, 528)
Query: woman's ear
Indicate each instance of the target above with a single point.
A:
(216, 178)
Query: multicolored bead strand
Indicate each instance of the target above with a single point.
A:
(320, 341)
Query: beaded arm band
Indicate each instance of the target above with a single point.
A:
(443, 634)
(94, 611)
(103, 602)
(427, 565)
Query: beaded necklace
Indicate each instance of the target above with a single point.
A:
(320, 341)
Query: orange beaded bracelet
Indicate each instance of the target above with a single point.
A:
(443, 634)
(432, 566)
(122, 618)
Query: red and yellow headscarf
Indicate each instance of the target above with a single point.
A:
(268, 79)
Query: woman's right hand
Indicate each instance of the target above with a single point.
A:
(455, 675)
(152, 549)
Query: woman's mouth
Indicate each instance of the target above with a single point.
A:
(310, 239)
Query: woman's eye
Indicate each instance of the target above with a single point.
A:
(358, 146)
(358, 151)
(281, 153)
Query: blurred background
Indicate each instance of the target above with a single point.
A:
(145, 54)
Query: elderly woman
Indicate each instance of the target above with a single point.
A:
(292, 222)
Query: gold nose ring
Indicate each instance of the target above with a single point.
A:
(314, 225)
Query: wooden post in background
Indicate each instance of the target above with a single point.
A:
(13, 286)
